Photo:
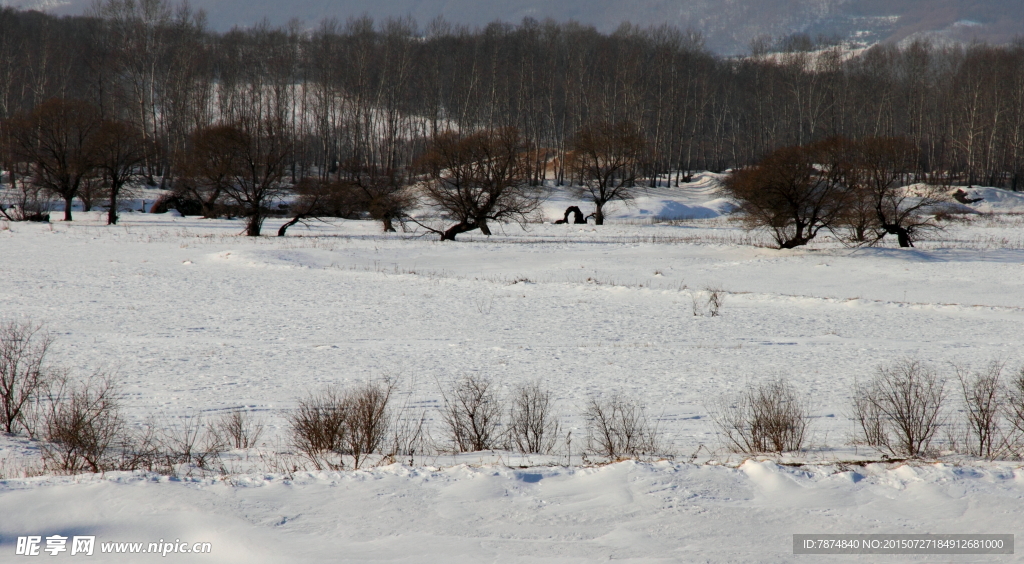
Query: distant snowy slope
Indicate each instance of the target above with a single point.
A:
(727, 26)
(996, 200)
(699, 199)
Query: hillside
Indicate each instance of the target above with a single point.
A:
(728, 26)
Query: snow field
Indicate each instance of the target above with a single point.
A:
(194, 318)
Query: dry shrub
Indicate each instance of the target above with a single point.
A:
(900, 410)
(708, 302)
(408, 436)
(767, 417)
(1013, 411)
(334, 423)
(471, 414)
(533, 427)
(319, 426)
(619, 427)
(83, 426)
(368, 419)
(239, 429)
(983, 398)
(24, 378)
(191, 441)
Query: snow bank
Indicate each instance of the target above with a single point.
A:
(698, 199)
(995, 200)
(638, 512)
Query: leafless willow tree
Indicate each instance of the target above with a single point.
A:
(58, 139)
(885, 165)
(608, 160)
(121, 152)
(478, 178)
(790, 194)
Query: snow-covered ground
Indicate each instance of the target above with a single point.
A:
(195, 318)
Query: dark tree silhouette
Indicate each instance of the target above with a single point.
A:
(607, 159)
(121, 153)
(885, 164)
(59, 140)
(479, 178)
(791, 193)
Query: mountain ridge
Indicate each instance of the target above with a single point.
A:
(728, 27)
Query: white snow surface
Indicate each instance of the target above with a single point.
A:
(628, 511)
(192, 317)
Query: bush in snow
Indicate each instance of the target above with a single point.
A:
(767, 417)
(23, 374)
(334, 423)
(471, 414)
(533, 427)
(239, 429)
(983, 395)
(900, 410)
(619, 427)
(83, 425)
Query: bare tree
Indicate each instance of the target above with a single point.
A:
(385, 196)
(790, 193)
(479, 178)
(885, 163)
(58, 139)
(206, 166)
(259, 154)
(607, 158)
(121, 151)
(245, 162)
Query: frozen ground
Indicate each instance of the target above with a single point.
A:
(196, 318)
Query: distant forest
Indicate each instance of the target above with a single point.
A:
(364, 95)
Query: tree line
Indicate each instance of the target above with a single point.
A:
(358, 106)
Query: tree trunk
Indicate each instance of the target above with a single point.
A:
(67, 208)
(598, 214)
(450, 233)
(294, 220)
(253, 225)
(482, 224)
(112, 212)
(903, 237)
(388, 225)
(794, 243)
